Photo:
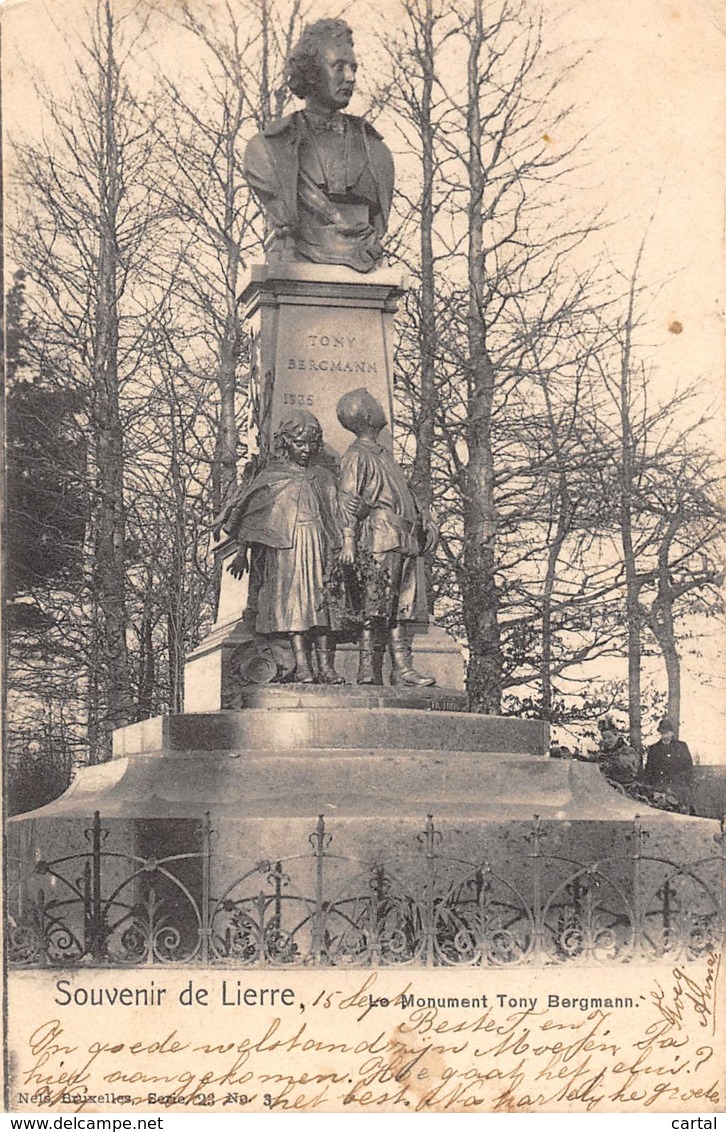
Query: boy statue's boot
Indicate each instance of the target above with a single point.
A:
(370, 663)
(325, 650)
(403, 671)
(303, 673)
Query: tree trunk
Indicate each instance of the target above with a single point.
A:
(111, 522)
(479, 581)
(673, 673)
(177, 611)
(632, 605)
(554, 549)
(147, 667)
(661, 624)
(627, 496)
(565, 510)
(421, 476)
(225, 472)
(94, 733)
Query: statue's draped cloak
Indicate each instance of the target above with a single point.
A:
(301, 172)
(287, 514)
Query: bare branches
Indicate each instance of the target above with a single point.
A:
(566, 490)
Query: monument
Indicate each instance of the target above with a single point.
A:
(291, 718)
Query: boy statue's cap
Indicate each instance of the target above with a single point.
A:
(351, 404)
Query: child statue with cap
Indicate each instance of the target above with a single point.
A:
(381, 520)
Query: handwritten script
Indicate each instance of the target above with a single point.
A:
(380, 1040)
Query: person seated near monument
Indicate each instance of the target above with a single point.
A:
(619, 762)
(382, 525)
(324, 178)
(669, 766)
(286, 514)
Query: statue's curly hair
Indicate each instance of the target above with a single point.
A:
(303, 62)
(296, 424)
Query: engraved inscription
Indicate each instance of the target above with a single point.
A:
(330, 365)
(339, 341)
(300, 399)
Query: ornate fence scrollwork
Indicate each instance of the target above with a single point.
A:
(102, 906)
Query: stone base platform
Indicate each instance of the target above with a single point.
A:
(332, 824)
(211, 683)
(297, 751)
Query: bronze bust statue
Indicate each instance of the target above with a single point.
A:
(324, 178)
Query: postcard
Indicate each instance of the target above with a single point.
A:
(364, 531)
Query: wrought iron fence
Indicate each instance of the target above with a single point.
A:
(101, 906)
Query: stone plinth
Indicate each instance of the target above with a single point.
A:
(379, 754)
(210, 683)
(318, 331)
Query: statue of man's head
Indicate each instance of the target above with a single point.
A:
(321, 66)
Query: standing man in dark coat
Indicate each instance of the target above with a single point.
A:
(669, 765)
(324, 178)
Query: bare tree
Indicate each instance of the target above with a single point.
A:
(658, 487)
(487, 166)
(564, 588)
(83, 238)
(414, 93)
(203, 133)
(687, 573)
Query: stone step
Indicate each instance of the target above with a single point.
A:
(301, 729)
(376, 784)
(252, 755)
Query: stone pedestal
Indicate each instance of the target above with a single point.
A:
(316, 332)
(370, 754)
(212, 684)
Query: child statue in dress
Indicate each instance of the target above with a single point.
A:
(287, 516)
